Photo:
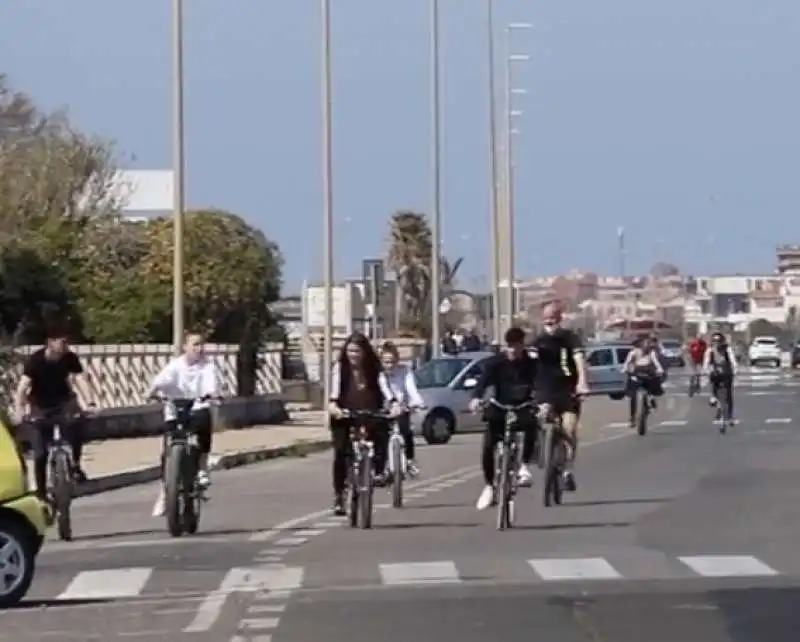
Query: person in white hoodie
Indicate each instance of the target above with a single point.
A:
(403, 385)
(191, 376)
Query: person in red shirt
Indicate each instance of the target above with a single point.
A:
(697, 350)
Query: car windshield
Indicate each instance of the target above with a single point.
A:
(437, 373)
(766, 341)
(672, 345)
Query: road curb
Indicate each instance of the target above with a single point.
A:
(235, 459)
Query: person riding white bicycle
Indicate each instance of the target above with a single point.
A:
(403, 385)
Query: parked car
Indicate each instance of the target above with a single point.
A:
(764, 350)
(24, 519)
(672, 355)
(446, 384)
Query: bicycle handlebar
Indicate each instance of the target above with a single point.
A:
(365, 414)
(164, 399)
(511, 408)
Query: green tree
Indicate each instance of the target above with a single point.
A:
(54, 184)
(409, 257)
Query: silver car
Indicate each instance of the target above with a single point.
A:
(446, 386)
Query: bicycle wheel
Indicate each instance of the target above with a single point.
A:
(365, 494)
(396, 455)
(642, 412)
(557, 456)
(173, 483)
(504, 489)
(544, 437)
(724, 411)
(61, 479)
(191, 498)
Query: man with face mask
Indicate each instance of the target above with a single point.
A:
(561, 379)
(512, 374)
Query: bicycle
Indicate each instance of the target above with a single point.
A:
(552, 444)
(508, 454)
(723, 414)
(396, 462)
(183, 497)
(361, 483)
(61, 468)
(642, 403)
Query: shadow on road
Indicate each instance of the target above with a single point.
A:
(30, 605)
(614, 502)
(411, 526)
(572, 526)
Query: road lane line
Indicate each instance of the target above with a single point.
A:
(586, 568)
(112, 583)
(728, 566)
(778, 420)
(419, 573)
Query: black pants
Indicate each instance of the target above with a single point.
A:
(495, 428)
(377, 432)
(404, 423)
(720, 382)
(650, 382)
(40, 437)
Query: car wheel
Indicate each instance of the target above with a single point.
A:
(438, 427)
(17, 561)
(617, 396)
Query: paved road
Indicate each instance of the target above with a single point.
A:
(683, 533)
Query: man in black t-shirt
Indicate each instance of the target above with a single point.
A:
(512, 374)
(47, 386)
(561, 376)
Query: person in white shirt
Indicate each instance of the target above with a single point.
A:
(191, 376)
(403, 385)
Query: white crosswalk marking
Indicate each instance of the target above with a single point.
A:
(112, 583)
(419, 573)
(727, 566)
(586, 568)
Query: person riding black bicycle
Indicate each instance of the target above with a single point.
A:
(513, 376)
(644, 368)
(561, 380)
(720, 365)
(357, 383)
(48, 385)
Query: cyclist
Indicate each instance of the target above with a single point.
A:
(513, 376)
(191, 376)
(403, 385)
(644, 362)
(561, 380)
(357, 383)
(50, 378)
(697, 351)
(720, 364)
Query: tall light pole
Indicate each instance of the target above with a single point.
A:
(178, 164)
(327, 200)
(436, 256)
(508, 173)
(494, 179)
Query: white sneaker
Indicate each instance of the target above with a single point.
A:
(486, 498)
(524, 477)
(160, 507)
(203, 479)
(712, 401)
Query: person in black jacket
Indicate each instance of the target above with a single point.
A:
(357, 383)
(512, 374)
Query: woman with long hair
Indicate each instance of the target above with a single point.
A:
(404, 389)
(357, 383)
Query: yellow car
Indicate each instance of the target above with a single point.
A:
(24, 519)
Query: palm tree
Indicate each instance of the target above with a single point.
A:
(410, 252)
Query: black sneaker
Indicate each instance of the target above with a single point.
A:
(569, 482)
(338, 506)
(79, 475)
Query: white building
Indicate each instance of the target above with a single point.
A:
(144, 193)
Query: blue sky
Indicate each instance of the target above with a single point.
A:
(678, 120)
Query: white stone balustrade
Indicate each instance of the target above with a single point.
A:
(119, 375)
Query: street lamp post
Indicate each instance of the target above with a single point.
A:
(327, 200)
(178, 171)
(494, 237)
(436, 258)
(508, 173)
